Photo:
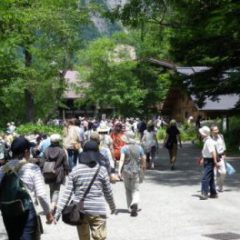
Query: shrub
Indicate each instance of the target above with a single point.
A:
(30, 128)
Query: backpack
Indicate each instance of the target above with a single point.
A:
(14, 198)
(132, 161)
(50, 174)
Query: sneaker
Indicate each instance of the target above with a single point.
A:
(172, 168)
(203, 197)
(213, 195)
(134, 210)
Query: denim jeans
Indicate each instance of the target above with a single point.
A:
(208, 177)
(24, 227)
(72, 158)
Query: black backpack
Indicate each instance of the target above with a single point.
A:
(14, 198)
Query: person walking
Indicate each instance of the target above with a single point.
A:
(71, 142)
(56, 154)
(132, 164)
(171, 142)
(220, 172)
(94, 203)
(150, 144)
(26, 225)
(209, 161)
(117, 143)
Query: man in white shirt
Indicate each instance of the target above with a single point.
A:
(209, 159)
(220, 173)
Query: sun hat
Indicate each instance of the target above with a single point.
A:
(204, 131)
(55, 138)
(103, 128)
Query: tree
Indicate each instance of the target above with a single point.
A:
(203, 33)
(116, 79)
(38, 39)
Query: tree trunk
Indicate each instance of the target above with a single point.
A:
(29, 101)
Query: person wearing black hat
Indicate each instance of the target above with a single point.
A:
(25, 226)
(94, 208)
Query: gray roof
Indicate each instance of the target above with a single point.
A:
(188, 71)
(222, 103)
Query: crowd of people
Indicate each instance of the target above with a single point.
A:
(89, 156)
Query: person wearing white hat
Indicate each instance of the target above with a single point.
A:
(209, 160)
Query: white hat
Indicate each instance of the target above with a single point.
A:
(204, 131)
(103, 128)
(55, 138)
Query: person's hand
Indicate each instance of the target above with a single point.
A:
(217, 164)
(50, 219)
(200, 161)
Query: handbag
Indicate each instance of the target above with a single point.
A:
(72, 214)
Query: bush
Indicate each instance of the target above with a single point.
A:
(187, 133)
(30, 128)
(232, 138)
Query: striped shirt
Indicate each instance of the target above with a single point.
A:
(32, 178)
(78, 182)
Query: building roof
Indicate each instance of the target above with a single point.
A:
(188, 71)
(221, 103)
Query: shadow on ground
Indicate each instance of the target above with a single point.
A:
(187, 171)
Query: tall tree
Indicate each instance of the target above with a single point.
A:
(38, 39)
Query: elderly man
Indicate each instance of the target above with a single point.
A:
(209, 160)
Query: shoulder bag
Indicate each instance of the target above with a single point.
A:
(71, 214)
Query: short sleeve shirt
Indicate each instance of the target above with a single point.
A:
(208, 148)
(172, 133)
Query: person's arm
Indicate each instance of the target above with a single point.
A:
(121, 162)
(179, 139)
(41, 194)
(165, 139)
(107, 191)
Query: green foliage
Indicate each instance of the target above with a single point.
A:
(30, 128)
(161, 134)
(188, 133)
(38, 39)
(115, 78)
(232, 136)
